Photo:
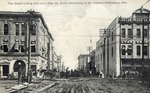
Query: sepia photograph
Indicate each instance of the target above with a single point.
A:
(75, 46)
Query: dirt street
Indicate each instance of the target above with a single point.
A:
(90, 86)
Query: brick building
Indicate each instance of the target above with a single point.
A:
(14, 42)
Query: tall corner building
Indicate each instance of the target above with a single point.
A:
(124, 45)
(15, 42)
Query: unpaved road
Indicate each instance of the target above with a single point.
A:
(85, 85)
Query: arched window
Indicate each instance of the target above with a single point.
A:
(6, 29)
(19, 64)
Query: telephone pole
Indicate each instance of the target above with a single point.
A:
(142, 49)
(30, 26)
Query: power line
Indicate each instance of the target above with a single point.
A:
(145, 3)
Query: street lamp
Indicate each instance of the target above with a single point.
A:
(19, 64)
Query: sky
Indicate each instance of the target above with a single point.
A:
(73, 23)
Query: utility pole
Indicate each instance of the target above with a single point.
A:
(105, 35)
(30, 26)
(48, 54)
(29, 55)
(104, 57)
(142, 49)
(108, 54)
(52, 58)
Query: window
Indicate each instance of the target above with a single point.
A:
(101, 56)
(33, 29)
(123, 49)
(138, 33)
(145, 33)
(33, 49)
(130, 34)
(23, 27)
(112, 51)
(129, 50)
(112, 37)
(17, 29)
(5, 48)
(16, 47)
(123, 33)
(22, 48)
(6, 29)
(138, 50)
(145, 51)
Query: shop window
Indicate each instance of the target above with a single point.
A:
(138, 50)
(145, 51)
(129, 50)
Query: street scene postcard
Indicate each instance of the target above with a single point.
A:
(75, 46)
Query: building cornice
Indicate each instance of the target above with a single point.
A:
(27, 14)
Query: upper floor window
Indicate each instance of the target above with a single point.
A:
(123, 33)
(130, 33)
(112, 51)
(33, 29)
(23, 27)
(112, 36)
(138, 33)
(17, 29)
(145, 33)
(6, 29)
(123, 49)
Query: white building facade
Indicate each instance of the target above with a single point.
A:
(120, 47)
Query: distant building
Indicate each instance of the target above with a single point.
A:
(83, 59)
(90, 66)
(14, 40)
(120, 47)
(57, 62)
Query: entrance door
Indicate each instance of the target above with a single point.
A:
(5, 70)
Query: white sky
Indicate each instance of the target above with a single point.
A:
(72, 25)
